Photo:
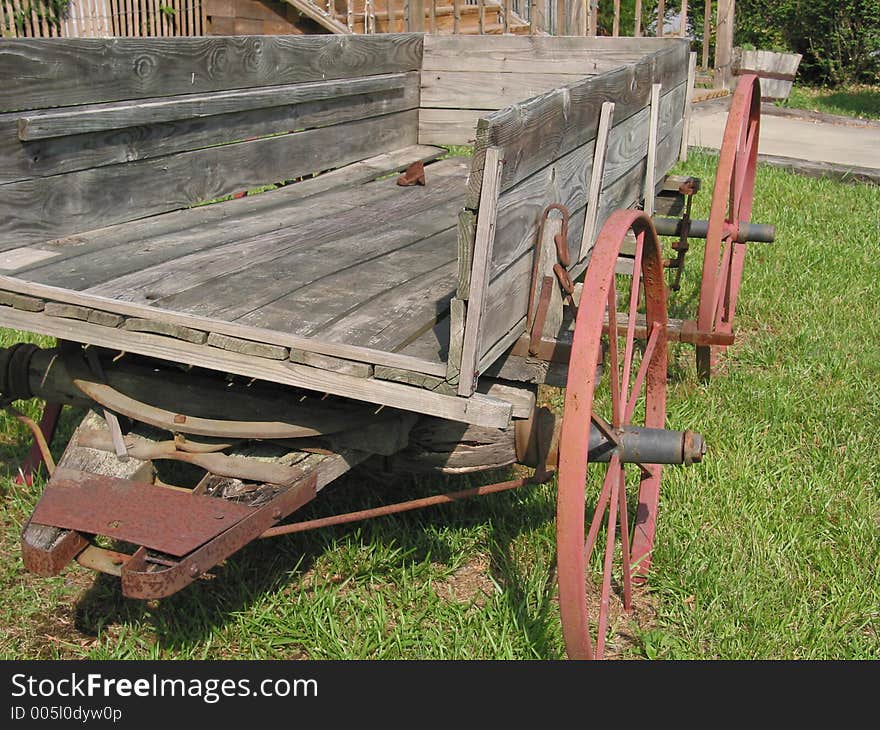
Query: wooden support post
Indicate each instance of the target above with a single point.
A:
(506, 19)
(661, 16)
(433, 15)
(594, 17)
(650, 171)
(638, 29)
(688, 104)
(482, 4)
(724, 44)
(483, 244)
(606, 119)
(583, 17)
(456, 17)
(707, 33)
(683, 19)
(615, 27)
(533, 17)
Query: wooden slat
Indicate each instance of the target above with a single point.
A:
(101, 117)
(566, 181)
(487, 90)
(536, 132)
(688, 103)
(37, 210)
(534, 54)
(181, 232)
(484, 240)
(140, 68)
(448, 126)
(508, 292)
(653, 132)
(68, 154)
(478, 409)
(249, 254)
(597, 174)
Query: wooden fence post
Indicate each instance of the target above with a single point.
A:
(724, 44)
(707, 33)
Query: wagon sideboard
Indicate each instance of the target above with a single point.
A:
(337, 279)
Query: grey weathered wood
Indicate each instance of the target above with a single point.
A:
(401, 259)
(688, 105)
(430, 382)
(21, 301)
(236, 278)
(478, 409)
(336, 364)
(528, 370)
(41, 73)
(42, 124)
(477, 89)
(457, 314)
(534, 133)
(597, 175)
(533, 54)
(448, 126)
(247, 347)
(139, 324)
(70, 311)
(467, 226)
(35, 210)
(74, 263)
(23, 256)
(653, 139)
(566, 181)
(114, 308)
(547, 259)
(54, 156)
(483, 242)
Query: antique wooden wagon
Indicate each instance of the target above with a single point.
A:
(276, 340)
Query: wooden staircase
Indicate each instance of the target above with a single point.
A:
(393, 16)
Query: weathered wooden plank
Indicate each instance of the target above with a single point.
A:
(336, 364)
(247, 347)
(535, 132)
(42, 124)
(448, 126)
(467, 226)
(57, 155)
(317, 305)
(533, 54)
(597, 175)
(566, 181)
(21, 301)
(508, 293)
(478, 409)
(44, 73)
(35, 210)
(114, 308)
(483, 244)
(173, 283)
(140, 324)
(653, 138)
(487, 90)
(173, 234)
(392, 320)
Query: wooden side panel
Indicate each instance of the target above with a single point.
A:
(41, 73)
(39, 209)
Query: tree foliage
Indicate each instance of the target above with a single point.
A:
(839, 39)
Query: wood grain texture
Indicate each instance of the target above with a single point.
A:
(533, 54)
(535, 132)
(486, 90)
(42, 124)
(35, 210)
(41, 73)
(448, 126)
(74, 263)
(478, 409)
(57, 155)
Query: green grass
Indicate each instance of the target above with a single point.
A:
(767, 550)
(861, 102)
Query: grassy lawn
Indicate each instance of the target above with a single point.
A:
(766, 550)
(861, 102)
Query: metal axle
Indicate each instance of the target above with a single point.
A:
(745, 233)
(646, 446)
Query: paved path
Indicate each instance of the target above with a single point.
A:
(844, 144)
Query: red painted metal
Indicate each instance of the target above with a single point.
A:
(731, 207)
(628, 388)
(392, 509)
(174, 522)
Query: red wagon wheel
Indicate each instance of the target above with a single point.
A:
(634, 394)
(731, 205)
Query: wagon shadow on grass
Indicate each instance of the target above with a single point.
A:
(297, 563)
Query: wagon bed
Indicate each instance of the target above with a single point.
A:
(342, 281)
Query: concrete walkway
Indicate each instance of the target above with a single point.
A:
(831, 140)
